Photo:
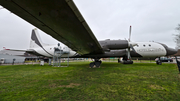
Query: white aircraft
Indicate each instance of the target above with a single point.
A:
(62, 20)
(38, 48)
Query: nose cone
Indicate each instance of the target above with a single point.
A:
(171, 51)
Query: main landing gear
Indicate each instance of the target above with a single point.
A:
(126, 61)
(96, 63)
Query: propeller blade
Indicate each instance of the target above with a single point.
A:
(129, 33)
(132, 48)
(130, 45)
(128, 54)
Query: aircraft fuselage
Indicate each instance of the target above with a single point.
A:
(142, 49)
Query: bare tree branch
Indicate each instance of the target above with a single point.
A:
(177, 37)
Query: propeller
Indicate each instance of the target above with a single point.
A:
(131, 44)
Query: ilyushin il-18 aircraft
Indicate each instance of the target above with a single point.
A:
(62, 20)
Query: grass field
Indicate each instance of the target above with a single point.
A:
(113, 81)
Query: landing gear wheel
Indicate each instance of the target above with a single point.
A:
(97, 64)
(158, 62)
(128, 62)
(118, 60)
(91, 64)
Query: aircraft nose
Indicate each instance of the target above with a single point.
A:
(171, 51)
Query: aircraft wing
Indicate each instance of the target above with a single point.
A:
(30, 51)
(20, 50)
(59, 18)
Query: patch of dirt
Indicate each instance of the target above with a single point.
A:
(6, 82)
(33, 81)
(52, 85)
(156, 87)
(71, 85)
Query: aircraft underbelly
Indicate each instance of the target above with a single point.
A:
(43, 53)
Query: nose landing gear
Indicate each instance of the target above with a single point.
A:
(159, 62)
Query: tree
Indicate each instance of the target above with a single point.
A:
(177, 37)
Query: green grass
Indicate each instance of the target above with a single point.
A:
(113, 81)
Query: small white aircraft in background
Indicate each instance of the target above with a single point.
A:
(38, 48)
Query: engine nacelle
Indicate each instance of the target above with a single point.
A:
(108, 45)
(114, 44)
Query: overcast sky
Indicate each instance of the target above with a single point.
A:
(151, 20)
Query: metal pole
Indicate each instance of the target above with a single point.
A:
(68, 59)
(54, 57)
(59, 61)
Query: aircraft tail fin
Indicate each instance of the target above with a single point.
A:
(35, 41)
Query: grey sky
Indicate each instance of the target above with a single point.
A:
(151, 20)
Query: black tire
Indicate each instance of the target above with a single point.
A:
(97, 64)
(158, 62)
(127, 62)
(118, 61)
(92, 64)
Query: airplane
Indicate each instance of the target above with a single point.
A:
(38, 48)
(62, 20)
(112, 48)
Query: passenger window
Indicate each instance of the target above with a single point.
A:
(149, 45)
(144, 45)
